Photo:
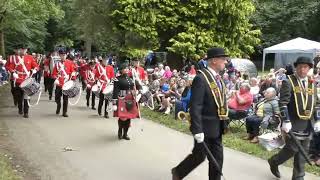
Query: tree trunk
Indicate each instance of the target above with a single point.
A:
(2, 47)
(88, 44)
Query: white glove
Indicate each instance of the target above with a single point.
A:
(34, 71)
(199, 137)
(98, 83)
(317, 127)
(114, 108)
(88, 86)
(66, 76)
(286, 126)
(15, 75)
(73, 74)
(56, 82)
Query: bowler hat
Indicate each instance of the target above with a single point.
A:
(215, 53)
(62, 51)
(303, 60)
(123, 65)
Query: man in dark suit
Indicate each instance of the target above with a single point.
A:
(208, 109)
(300, 114)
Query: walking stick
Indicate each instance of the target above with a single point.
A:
(213, 160)
(301, 149)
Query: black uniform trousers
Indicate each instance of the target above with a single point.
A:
(48, 85)
(123, 127)
(23, 105)
(38, 76)
(93, 102)
(199, 154)
(58, 94)
(13, 92)
(291, 150)
(101, 101)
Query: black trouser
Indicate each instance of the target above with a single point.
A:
(84, 85)
(38, 76)
(48, 85)
(253, 125)
(23, 105)
(58, 94)
(124, 126)
(101, 101)
(199, 155)
(93, 102)
(291, 150)
(13, 92)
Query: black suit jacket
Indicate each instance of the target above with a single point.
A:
(203, 110)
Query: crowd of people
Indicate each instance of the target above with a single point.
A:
(252, 99)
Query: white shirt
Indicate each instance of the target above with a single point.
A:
(213, 72)
(305, 81)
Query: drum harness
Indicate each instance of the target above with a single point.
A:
(60, 68)
(28, 76)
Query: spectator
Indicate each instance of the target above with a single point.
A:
(3, 72)
(289, 69)
(315, 149)
(161, 70)
(265, 109)
(167, 72)
(268, 82)
(240, 102)
(254, 89)
(184, 102)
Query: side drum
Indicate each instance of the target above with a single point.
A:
(70, 89)
(30, 86)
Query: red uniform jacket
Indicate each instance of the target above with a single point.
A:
(15, 64)
(89, 75)
(68, 67)
(104, 73)
(83, 67)
(46, 68)
(142, 74)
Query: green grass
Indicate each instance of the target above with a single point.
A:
(232, 140)
(6, 172)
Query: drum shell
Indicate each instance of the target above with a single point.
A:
(71, 92)
(31, 87)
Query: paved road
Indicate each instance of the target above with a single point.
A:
(99, 155)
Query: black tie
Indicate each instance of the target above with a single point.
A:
(304, 84)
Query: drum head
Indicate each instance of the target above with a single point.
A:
(26, 82)
(68, 85)
(108, 89)
(95, 88)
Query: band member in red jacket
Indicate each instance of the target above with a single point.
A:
(83, 67)
(89, 79)
(63, 71)
(22, 66)
(104, 74)
(47, 74)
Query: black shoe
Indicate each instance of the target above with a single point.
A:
(57, 111)
(26, 116)
(50, 98)
(20, 112)
(93, 108)
(120, 134)
(126, 137)
(65, 115)
(106, 116)
(87, 104)
(274, 169)
(174, 174)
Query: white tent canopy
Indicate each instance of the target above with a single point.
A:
(287, 52)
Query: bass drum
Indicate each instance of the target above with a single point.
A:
(30, 86)
(70, 89)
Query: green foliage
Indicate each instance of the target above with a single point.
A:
(190, 28)
(284, 20)
(6, 171)
(25, 21)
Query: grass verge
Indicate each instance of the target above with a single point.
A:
(231, 140)
(6, 172)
